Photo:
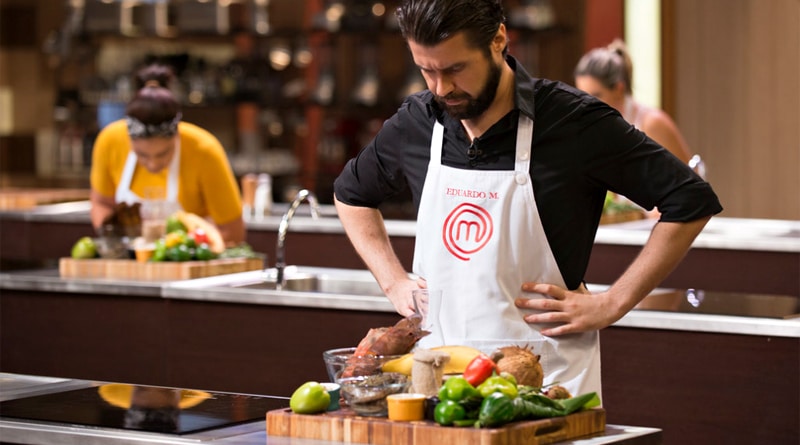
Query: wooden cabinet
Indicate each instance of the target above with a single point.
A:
(699, 387)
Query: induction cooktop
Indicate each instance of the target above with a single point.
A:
(109, 406)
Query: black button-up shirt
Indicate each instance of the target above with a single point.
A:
(581, 148)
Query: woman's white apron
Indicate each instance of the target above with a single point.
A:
(124, 192)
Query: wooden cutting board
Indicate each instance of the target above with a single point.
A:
(154, 271)
(343, 426)
(24, 199)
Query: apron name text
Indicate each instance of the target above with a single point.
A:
(464, 193)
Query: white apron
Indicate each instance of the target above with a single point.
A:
(479, 237)
(126, 195)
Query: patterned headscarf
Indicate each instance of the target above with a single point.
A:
(139, 130)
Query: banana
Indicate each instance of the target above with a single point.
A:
(401, 365)
(460, 356)
(192, 222)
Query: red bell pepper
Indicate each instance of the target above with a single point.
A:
(479, 369)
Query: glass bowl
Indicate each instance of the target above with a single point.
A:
(342, 363)
(366, 395)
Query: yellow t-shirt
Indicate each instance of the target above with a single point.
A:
(206, 185)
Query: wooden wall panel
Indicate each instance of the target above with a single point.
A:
(737, 99)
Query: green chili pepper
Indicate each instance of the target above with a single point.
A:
(583, 401)
(497, 383)
(447, 412)
(535, 406)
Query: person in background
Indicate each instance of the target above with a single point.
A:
(152, 156)
(509, 174)
(607, 74)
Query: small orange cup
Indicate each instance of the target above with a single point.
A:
(144, 252)
(406, 407)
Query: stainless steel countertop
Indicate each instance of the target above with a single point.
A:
(48, 280)
(14, 386)
(213, 289)
(720, 233)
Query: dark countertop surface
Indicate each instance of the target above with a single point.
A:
(16, 386)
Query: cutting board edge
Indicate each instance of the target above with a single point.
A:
(381, 431)
(149, 271)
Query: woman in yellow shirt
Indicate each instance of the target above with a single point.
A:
(152, 155)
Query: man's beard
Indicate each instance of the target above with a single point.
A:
(477, 106)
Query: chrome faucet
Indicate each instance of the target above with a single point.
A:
(283, 228)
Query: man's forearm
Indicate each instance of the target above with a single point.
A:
(666, 247)
(367, 232)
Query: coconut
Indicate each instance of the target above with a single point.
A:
(520, 362)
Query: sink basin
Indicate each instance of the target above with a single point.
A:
(298, 279)
(327, 283)
(312, 287)
(296, 284)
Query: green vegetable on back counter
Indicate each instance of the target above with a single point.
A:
(84, 248)
(174, 224)
(241, 251)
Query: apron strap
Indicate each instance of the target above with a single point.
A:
(524, 143)
(436, 143)
(174, 171)
(127, 175)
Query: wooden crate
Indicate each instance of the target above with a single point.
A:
(154, 271)
(343, 426)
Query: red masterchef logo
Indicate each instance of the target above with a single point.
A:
(466, 230)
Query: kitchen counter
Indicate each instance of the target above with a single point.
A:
(205, 334)
(255, 340)
(222, 289)
(719, 233)
(731, 254)
(14, 386)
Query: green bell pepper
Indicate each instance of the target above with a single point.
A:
(458, 389)
(496, 409)
(448, 412)
(497, 383)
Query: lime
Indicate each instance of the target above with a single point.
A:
(84, 248)
(310, 398)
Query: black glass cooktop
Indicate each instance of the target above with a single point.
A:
(151, 409)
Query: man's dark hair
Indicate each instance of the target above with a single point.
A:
(429, 22)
